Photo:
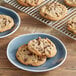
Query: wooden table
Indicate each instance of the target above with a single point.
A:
(30, 25)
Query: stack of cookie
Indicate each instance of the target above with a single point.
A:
(36, 52)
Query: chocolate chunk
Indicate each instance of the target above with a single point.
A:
(25, 59)
(45, 14)
(30, 54)
(23, 50)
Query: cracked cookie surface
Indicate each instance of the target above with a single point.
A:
(6, 23)
(42, 47)
(34, 2)
(53, 11)
(28, 58)
(30, 2)
(71, 25)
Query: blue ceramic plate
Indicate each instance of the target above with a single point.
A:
(16, 18)
(50, 64)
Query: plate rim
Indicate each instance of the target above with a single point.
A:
(8, 9)
(37, 70)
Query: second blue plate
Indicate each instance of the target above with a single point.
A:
(16, 18)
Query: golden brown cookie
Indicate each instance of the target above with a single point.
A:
(28, 58)
(53, 11)
(30, 2)
(6, 23)
(34, 2)
(71, 25)
(71, 3)
(22, 2)
(42, 47)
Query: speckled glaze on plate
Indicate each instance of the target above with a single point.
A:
(50, 64)
(16, 18)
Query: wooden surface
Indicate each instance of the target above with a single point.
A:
(30, 25)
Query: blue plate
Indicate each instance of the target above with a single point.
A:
(50, 64)
(16, 18)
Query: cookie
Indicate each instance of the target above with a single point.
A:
(30, 2)
(71, 25)
(71, 3)
(34, 2)
(53, 11)
(42, 47)
(28, 58)
(6, 23)
(22, 2)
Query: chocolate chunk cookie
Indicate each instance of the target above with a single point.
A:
(71, 25)
(42, 47)
(6, 23)
(53, 11)
(34, 2)
(30, 2)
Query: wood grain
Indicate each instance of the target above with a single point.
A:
(30, 25)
